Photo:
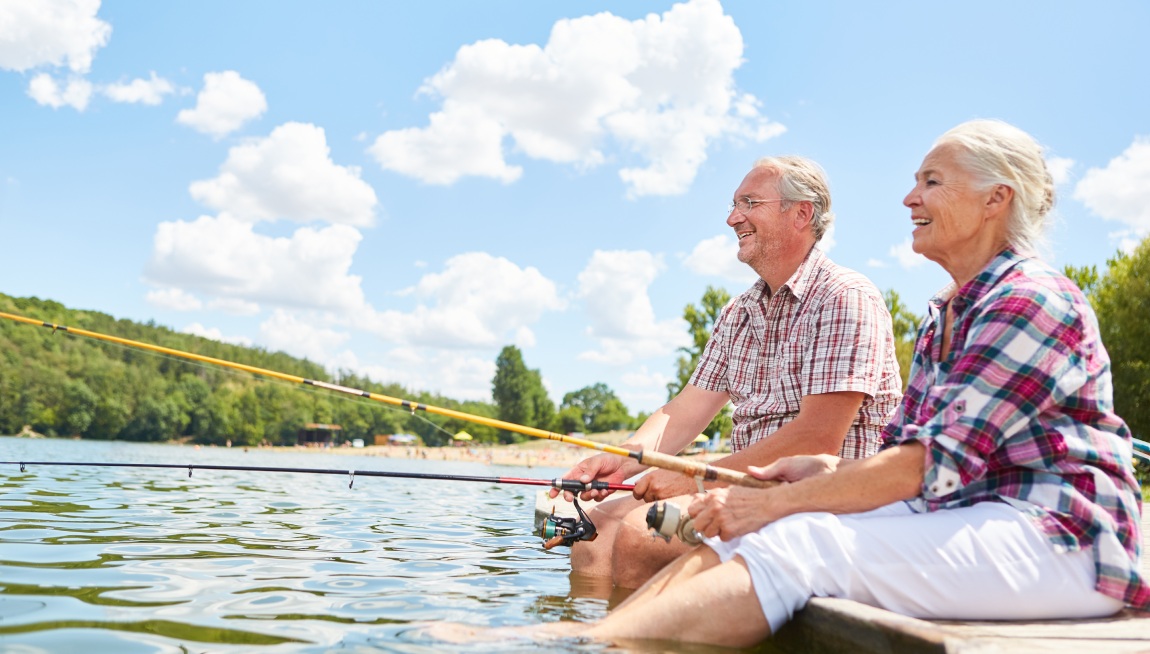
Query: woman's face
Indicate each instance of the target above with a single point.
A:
(949, 211)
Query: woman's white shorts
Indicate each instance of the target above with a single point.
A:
(984, 562)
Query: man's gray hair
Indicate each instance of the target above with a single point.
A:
(801, 180)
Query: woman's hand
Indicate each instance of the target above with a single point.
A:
(738, 510)
(794, 468)
(730, 512)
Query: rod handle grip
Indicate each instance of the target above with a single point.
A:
(703, 470)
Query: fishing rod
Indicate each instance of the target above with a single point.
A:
(555, 530)
(696, 469)
(573, 485)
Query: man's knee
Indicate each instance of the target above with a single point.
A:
(594, 557)
(637, 554)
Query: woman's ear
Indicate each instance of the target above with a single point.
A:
(999, 199)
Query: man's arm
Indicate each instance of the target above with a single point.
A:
(820, 428)
(670, 429)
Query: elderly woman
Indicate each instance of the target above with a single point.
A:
(1004, 489)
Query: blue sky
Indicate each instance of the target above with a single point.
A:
(402, 189)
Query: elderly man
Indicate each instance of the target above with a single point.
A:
(806, 356)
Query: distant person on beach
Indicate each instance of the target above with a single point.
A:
(806, 356)
(1004, 489)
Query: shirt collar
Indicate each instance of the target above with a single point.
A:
(798, 283)
(985, 280)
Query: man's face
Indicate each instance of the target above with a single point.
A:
(761, 228)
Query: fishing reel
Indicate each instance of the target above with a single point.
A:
(559, 530)
(666, 519)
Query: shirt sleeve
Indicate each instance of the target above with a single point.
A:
(711, 372)
(1019, 357)
(849, 345)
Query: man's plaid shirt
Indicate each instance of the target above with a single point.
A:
(826, 329)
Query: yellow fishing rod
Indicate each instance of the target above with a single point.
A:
(696, 469)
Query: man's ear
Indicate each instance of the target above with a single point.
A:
(804, 215)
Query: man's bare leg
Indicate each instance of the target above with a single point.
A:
(594, 557)
(638, 555)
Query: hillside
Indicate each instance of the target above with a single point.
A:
(63, 385)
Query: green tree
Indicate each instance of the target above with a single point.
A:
(599, 409)
(519, 394)
(701, 321)
(904, 324)
(1121, 299)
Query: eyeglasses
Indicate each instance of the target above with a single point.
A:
(744, 205)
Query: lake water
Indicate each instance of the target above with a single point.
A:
(135, 560)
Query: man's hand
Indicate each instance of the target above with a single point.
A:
(661, 484)
(603, 467)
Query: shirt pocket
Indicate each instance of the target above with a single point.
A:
(785, 390)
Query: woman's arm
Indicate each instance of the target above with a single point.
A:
(853, 487)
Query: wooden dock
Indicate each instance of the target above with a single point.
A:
(829, 625)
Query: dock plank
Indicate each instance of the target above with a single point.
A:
(835, 625)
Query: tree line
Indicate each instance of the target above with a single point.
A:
(62, 385)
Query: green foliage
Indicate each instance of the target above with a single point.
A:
(597, 409)
(700, 321)
(1121, 299)
(63, 385)
(904, 324)
(519, 394)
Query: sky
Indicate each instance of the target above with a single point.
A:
(403, 189)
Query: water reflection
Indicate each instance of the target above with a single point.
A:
(152, 560)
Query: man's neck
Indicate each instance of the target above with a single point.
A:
(776, 273)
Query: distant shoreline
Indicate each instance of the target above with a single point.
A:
(530, 454)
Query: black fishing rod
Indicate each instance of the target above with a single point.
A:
(573, 485)
(555, 530)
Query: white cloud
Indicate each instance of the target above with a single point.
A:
(46, 91)
(226, 102)
(1060, 168)
(448, 373)
(876, 263)
(661, 88)
(1121, 190)
(301, 335)
(477, 301)
(906, 256)
(234, 306)
(56, 33)
(718, 256)
(196, 329)
(459, 142)
(288, 175)
(149, 91)
(614, 287)
(827, 242)
(644, 378)
(224, 258)
(174, 299)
